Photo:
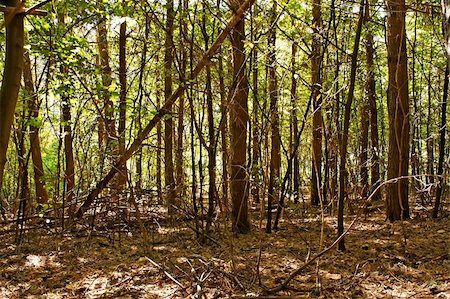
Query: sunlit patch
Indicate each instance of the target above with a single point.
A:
(34, 261)
(160, 290)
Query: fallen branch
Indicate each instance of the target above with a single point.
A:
(166, 273)
(165, 108)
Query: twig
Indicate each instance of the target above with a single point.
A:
(166, 273)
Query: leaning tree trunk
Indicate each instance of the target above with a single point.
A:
(12, 74)
(397, 206)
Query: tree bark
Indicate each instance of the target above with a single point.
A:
(35, 143)
(122, 178)
(168, 122)
(372, 106)
(440, 169)
(397, 206)
(275, 157)
(316, 83)
(9, 91)
(238, 128)
(344, 140)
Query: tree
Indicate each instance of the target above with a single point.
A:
(316, 86)
(238, 128)
(275, 157)
(35, 141)
(442, 128)
(168, 121)
(12, 75)
(397, 206)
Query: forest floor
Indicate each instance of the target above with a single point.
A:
(409, 259)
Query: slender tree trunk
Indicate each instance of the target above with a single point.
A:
(296, 173)
(224, 134)
(69, 176)
(397, 206)
(256, 167)
(158, 138)
(35, 143)
(108, 106)
(316, 83)
(372, 106)
(122, 178)
(139, 108)
(440, 169)
(239, 120)
(343, 173)
(275, 157)
(9, 91)
(168, 122)
(180, 129)
(429, 138)
(211, 132)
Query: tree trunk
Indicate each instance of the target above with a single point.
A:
(442, 129)
(344, 140)
(296, 173)
(316, 83)
(239, 119)
(397, 206)
(168, 122)
(372, 106)
(275, 157)
(122, 178)
(11, 83)
(69, 176)
(35, 143)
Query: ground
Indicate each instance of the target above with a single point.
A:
(409, 259)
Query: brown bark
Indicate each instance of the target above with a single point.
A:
(238, 128)
(343, 173)
(108, 107)
(397, 206)
(442, 130)
(167, 105)
(35, 143)
(182, 75)
(372, 106)
(275, 157)
(294, 120)
(316, 83)
(224, 134)
(122, 178)
(69, 175)
(256, 167)
(168, 122)
(11, 82)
